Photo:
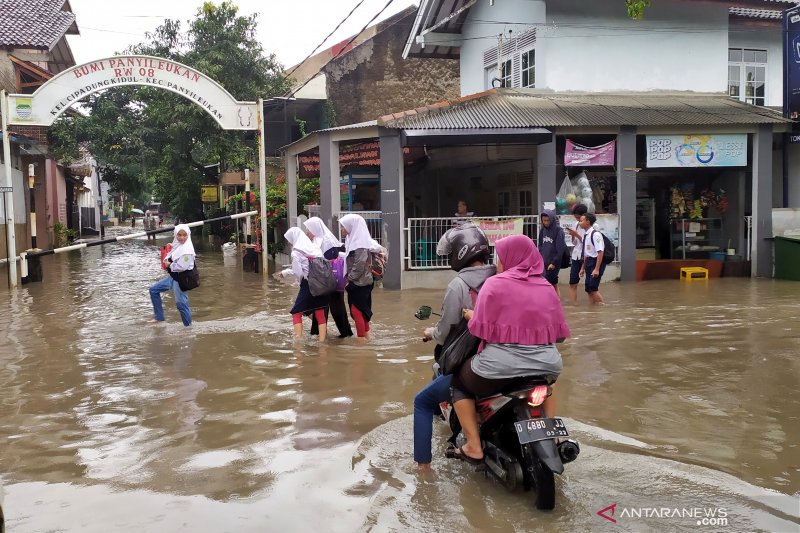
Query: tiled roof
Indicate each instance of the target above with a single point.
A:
(526, 108)
(33, 23)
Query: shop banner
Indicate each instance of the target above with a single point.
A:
(497, 229)
(577, 155)
(665, 151)
(791, 69)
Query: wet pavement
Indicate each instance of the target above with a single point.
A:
(684, 395)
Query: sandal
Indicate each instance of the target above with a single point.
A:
(460, 455)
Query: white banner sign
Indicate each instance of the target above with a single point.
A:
(54, 97)
(697, 150)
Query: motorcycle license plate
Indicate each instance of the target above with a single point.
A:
(540, 429)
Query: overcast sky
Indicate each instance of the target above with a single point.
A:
(288, 28)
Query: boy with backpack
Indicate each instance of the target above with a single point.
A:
(593, 252)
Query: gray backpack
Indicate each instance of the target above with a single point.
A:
(320, 276)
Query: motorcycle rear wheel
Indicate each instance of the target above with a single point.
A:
(542, 480)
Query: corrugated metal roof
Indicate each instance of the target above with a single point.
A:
(526, 108)
(34, 23)
(767, 14)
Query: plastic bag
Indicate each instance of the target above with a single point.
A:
(583, 191)
(566, 194)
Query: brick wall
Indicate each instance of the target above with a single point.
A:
(373, 79)
(38, 133)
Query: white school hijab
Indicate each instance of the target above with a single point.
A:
(323, 237)
(179, 250)
(301, 243)
(357, 234)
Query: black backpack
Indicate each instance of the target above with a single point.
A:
(609, 252)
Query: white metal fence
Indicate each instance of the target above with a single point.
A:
(423, 235)
(374, 220)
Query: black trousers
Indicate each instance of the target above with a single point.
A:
(339, 311)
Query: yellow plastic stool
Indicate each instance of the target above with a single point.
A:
(690, 273)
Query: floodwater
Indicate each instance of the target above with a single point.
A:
(684, 396)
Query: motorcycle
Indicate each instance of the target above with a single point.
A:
(522, 447)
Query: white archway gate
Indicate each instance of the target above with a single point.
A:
(58, 94)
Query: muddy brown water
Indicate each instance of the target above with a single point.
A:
(684, 396)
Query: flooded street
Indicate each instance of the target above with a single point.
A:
(682, 395)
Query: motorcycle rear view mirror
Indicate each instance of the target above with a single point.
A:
(424, 312)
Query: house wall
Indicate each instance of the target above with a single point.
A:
(373, 80)
(595, 47)
(479, 36)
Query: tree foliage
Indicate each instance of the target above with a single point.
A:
(149, 139)
(636, 8)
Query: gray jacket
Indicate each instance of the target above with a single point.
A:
(359, 267)
(457, 298)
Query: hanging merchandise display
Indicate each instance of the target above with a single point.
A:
(566, 198)
(684, 204)
(583, 191)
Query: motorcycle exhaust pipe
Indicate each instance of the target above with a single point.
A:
(568, 450)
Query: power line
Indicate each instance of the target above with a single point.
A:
(326, 38)
(384, 8)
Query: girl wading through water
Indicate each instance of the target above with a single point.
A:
(180, 258)
(331, 247)
(357, 246)
(306, 303)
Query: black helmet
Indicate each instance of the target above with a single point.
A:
(463, 245)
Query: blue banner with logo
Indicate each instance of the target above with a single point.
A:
(791, 68)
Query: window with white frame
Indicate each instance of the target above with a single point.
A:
(513, 64)
(747, 75)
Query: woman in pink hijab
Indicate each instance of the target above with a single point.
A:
(519, 318)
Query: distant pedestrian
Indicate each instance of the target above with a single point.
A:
(180, 258)
(358, 244)
(577, 252)
(552, 246)
(593, 250)
(133, 220)
(306, 303)
(462, 210)
(331, 247)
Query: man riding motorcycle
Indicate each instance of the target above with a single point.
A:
(467, 249)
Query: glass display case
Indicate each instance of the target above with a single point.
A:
(696, 238)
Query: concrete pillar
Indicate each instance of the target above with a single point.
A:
(546, 173)
(290, 166)
(330, 203)
(392, 205)
(762, 202)
(626, 202)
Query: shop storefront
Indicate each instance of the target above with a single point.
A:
(690, 196)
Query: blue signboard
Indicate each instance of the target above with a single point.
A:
(791, 68)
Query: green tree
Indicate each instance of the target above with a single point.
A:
(148, 139)
(636, 8)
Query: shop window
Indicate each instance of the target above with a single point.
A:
(747, 75)
(525, 203)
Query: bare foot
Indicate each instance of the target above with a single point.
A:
(154, 321)
(424, 467)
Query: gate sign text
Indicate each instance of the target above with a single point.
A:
(58, 94)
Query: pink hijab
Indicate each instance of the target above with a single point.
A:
(518, 306)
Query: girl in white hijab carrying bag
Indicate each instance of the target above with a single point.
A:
(181, 259)
(359, 246)
(331, 248)
(306, 303)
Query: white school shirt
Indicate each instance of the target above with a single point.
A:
(593, 245)
(577, 252)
